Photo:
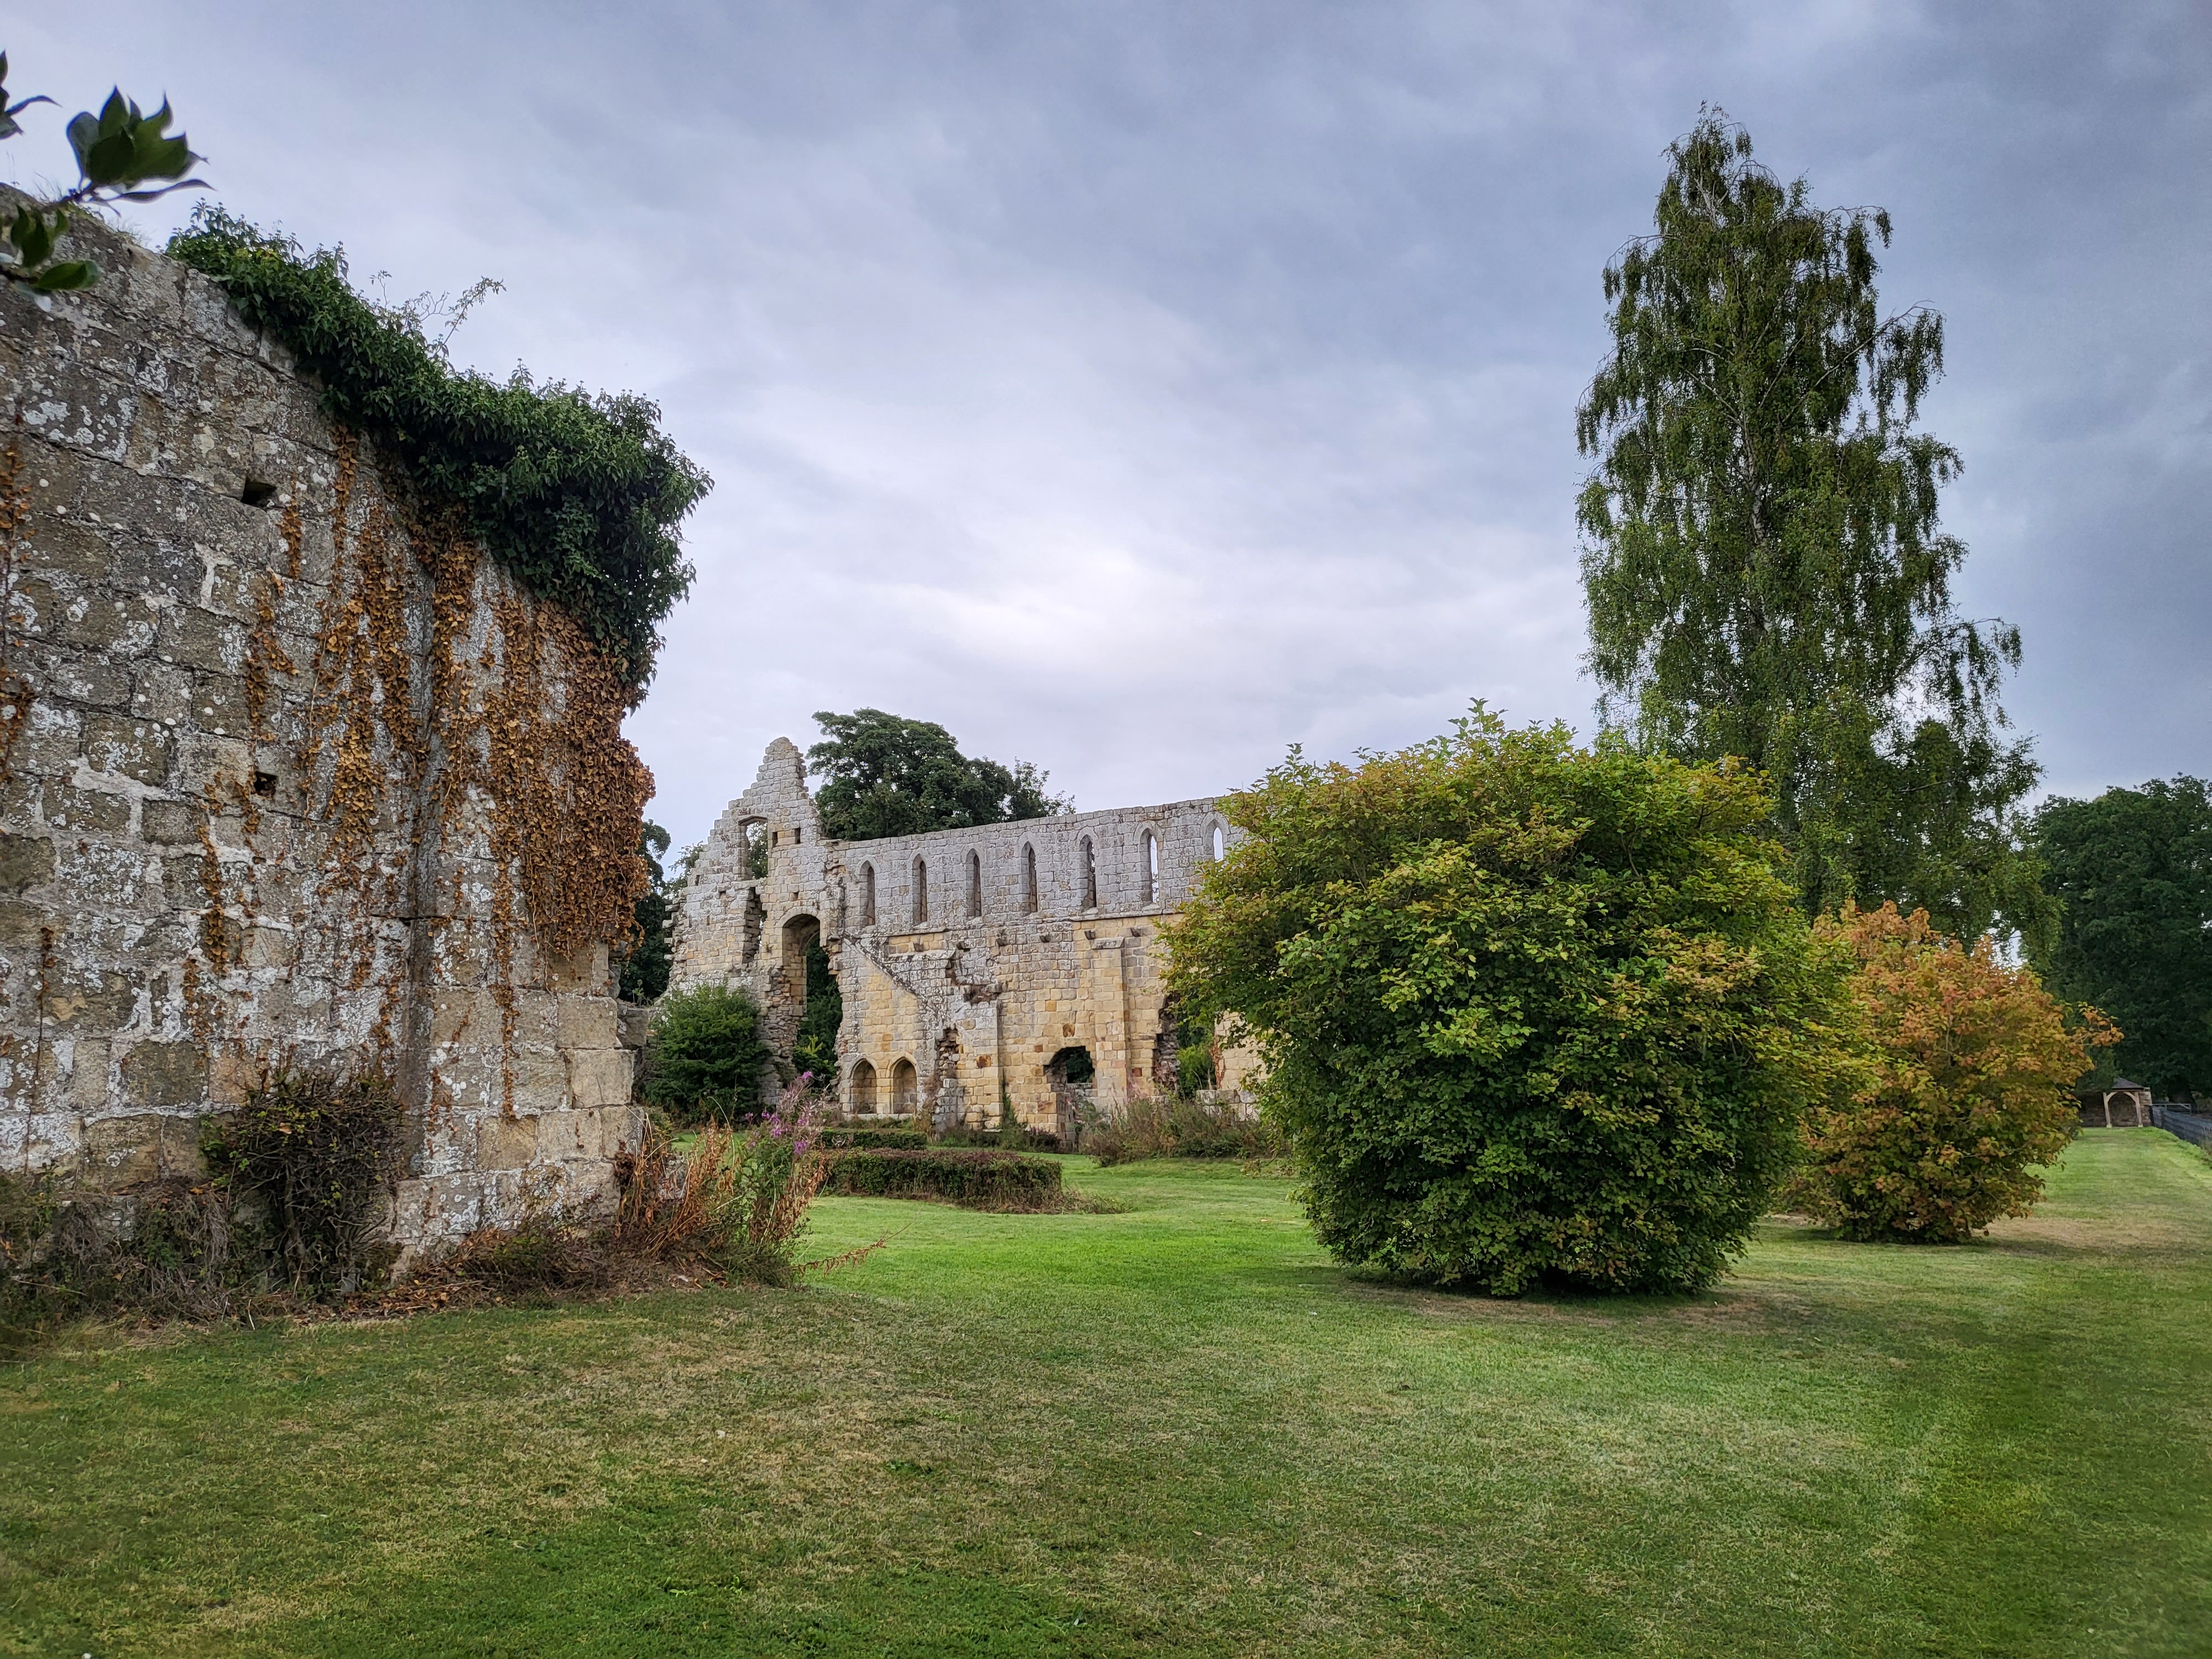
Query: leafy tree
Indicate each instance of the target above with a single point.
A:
(889, 776)
(123, 155)
(1766, 575)
(1967, 1089)
(707, 1056)
(1529, 1012)
(652, 951)
(2132, 871)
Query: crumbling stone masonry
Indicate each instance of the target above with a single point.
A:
(974, 965)
(271, 739)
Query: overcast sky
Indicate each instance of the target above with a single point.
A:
(1140, 389)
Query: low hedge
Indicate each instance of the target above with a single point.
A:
(874, 1139)
(977, 1179)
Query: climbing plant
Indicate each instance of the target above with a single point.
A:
(578, 494)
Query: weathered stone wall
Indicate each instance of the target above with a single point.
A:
(969, 960)
(252, 810)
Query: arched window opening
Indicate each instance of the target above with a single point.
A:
(860, 1091)
(867, 895)
(920, 892)
(1218, 839)
(1090, 876)
(1070, 1074)
(1151, 870)
(906, 1089)
(1028, 878)
(975, 883)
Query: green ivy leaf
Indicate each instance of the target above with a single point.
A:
(66, 277)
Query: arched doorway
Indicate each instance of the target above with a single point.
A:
(806, 991)
(1071, 1073)
(860, 1090)
(906, 1089)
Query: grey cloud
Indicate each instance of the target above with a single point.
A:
(1139, 389)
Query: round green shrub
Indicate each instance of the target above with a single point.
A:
(1530, 1013)
(708, 1054)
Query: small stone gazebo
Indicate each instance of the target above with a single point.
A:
(2119, 1105)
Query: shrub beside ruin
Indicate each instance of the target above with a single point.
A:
(975, 1178)
(707, 1055)
(1531, 1012)
(1965, 1092)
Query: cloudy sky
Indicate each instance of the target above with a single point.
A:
(1140, 389)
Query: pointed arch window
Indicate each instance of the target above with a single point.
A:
(867, 895)
(1090, 876)
(975, 883)
(920, 892)
(1028, 877)
(1149, 874)
(1218, 838)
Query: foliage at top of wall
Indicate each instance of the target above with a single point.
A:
(578, 494)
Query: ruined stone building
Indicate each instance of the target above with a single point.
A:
(291, 778)
(981, 971)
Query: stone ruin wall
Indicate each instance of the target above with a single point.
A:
(978, 993)
(252, 813)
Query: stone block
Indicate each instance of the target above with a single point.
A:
(204, 639)
(172, 823)
(123, 1152)
(94, 1008)
(232, 1079)
(96, 683)
(22, 924)
(126, 748)
(464, 1015)
(219, 704)
(585, 968)
(165, 1074)
(601, 1077)
(87, 812)
(26, 861)
(267, 947)
(163, 692)
(583, 1022)
(89, 1078)
(506, 1143)
(565, 1135)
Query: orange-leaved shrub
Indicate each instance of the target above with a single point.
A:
(1966, 1089)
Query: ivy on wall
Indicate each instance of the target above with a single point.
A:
(578, 494)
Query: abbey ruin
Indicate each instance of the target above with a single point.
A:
(292, 777)
(982, 971)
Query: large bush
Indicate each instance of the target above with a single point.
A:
(708, 1054)
(1529, 1012)
(1966, 1090)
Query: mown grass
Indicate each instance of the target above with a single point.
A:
(1173, 1430)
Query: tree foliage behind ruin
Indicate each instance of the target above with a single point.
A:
(889, 776)
(578, 494)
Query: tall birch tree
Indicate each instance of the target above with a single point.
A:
(1765, 570)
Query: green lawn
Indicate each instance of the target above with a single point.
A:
(1174, 1430)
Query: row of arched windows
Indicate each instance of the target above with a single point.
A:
(905, 1093)
(972, 898)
